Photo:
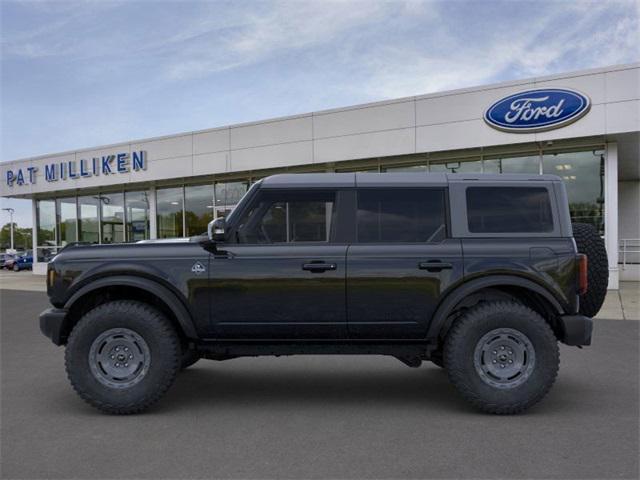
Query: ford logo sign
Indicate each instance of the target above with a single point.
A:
(537, 110)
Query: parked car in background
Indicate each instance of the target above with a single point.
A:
(23, 262)
(6, 258)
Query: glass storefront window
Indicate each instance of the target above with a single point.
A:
(528, 164)
(112, 217)
(583, 175)
(137, 216)
(46, 218)
(169, 212)
(468, 166)
(407, 168)
(227, 195)
(88, 227)
(67, 220)
(198, 208)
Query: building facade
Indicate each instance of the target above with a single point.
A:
(582, 126)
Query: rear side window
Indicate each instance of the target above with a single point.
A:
(509, 210)
(401, 215)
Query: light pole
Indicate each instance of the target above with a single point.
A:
(11, 212)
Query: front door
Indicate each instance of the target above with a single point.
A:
(282, 275)
(401, 263)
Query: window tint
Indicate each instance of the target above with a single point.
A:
(508, 210)
(401, 215)
(288, 217)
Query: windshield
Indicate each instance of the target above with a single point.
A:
(235, 209)
(242, 201)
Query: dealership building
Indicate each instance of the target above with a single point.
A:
(582, 126)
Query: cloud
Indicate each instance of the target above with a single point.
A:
(287, 26)
(554, 41)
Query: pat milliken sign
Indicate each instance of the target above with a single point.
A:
(537, 110)
(105, 165)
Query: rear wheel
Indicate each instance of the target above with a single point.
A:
(589, 242)
(16, 268)
(122, 356)
(502, 357)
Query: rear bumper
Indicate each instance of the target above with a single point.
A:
(577, 329)
(53, 322)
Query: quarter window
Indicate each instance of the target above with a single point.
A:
(509, 210)
(289, 217)
(401, 216)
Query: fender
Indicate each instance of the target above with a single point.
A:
(164, 294)
(452, 299)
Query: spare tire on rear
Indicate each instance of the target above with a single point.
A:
(589, 243)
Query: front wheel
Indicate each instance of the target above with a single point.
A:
(502, 357)
(16, 268)
(122, 356)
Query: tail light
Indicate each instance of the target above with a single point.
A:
(583, 280)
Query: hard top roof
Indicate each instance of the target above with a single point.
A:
(404, 179)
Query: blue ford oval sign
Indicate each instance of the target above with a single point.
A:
(537, 110)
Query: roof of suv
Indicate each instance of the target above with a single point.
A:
(405, 179)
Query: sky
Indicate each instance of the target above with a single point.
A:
(87, 73)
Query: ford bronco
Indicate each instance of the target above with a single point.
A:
(482, 275)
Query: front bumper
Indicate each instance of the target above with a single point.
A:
(53, 325)
(577, 329)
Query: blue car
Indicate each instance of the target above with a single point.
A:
(23, 262)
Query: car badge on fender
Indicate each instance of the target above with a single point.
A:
(198, 268)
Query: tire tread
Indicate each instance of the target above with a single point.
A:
(164, 328)
(454, 358)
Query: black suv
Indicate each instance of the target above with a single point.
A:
(479, 274)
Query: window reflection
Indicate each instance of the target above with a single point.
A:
(462, 166)
(583, 175)
(527, 164)
(46, 222)
(67, 220)
(198, 208)
(137, 216)
(88, 219)
(169, 216)
(407, 168)
(227, 195)
(112, 217)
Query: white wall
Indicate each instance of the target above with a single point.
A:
(428, 123)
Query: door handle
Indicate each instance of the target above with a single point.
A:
(318, 267)
(434, 266)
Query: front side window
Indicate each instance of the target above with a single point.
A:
(288, 217)
(509, 210)
(401, 215)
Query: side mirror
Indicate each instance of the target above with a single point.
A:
(217, 229)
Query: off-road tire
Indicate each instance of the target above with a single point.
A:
(589, 242)
(468, 331)
(189, 357)
(156, 331)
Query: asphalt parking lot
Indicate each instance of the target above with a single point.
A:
(316, 417)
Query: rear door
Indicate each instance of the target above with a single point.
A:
(401, 262)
